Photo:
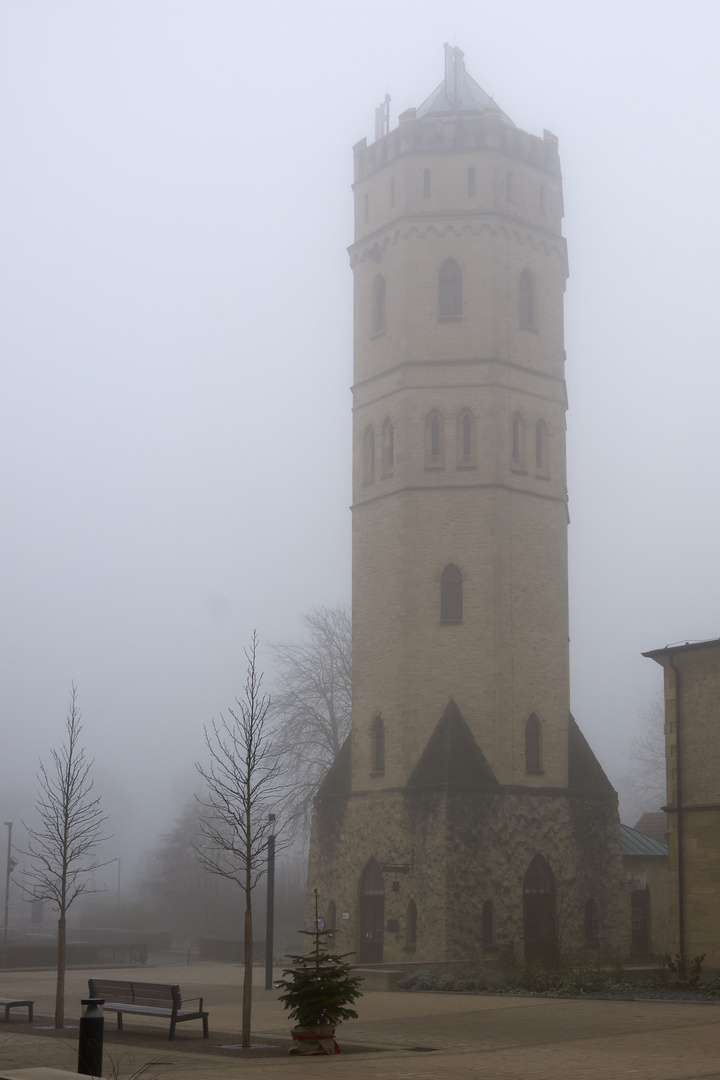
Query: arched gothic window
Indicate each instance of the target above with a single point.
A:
(488, 913)
(518, 443)
(369, 455)
(450, 290)
(451, 599)
(526, 300)
(466, 438)
(539, 922)
(434, 440)
(378, 305)
(377, 748)
(532, 745)
(542, 463)
(388, 447)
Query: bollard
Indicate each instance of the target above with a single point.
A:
(90, 1044)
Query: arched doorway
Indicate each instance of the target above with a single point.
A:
(539, 911)
(372, 914)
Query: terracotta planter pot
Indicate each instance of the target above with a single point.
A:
(314, 1040)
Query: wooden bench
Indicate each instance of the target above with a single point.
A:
(147, 999)
(13, 1003)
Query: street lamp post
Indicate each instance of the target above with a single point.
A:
(8, 871)
(270, 915)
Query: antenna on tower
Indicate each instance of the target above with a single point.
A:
(382, 118)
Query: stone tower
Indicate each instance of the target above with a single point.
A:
(466, 809)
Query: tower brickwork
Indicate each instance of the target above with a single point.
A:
(463, 764)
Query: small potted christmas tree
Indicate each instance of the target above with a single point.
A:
(318, 990)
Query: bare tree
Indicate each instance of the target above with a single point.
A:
(242, 781)
(646, 783)
(62, 847)
(311, 708)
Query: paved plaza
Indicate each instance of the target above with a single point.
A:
(412, 1035)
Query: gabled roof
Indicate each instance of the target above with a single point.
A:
(584, 769)
(338, 778)
(458, 92)
(452, 756)
(636, 843)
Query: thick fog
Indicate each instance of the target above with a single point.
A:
(176, 347)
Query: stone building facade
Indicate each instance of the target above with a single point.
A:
(466, 815)
(692, 755)
(645, 860)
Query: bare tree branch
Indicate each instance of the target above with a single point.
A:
(62, 848)
(243, 784)
(646, 783)
(311, 708)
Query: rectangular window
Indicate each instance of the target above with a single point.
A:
(392, 190)
(426, 184)
(471, 181)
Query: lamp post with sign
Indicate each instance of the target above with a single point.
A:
(10, 866)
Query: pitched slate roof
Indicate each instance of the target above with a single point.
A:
(338, 778)
(636, 843)
(584, 769)
(458, 92)
(452, 756)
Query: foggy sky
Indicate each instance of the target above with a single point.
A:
(176, 321)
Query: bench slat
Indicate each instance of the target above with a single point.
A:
(148, 999)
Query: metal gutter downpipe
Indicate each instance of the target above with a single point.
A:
(679, 807)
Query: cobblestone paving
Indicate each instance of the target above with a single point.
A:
(472, 1036)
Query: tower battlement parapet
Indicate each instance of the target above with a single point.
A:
(450, 134)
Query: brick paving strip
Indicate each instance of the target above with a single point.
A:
(462, 1035)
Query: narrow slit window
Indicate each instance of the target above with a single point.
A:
(427, 188)
(467, 436)
(434, 440)
(366, 209)
(518, 443)
(369, 455)
(435, 436)
(472, 182)
(388, 447)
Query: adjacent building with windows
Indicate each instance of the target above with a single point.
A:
(467, 814)
(692, 757)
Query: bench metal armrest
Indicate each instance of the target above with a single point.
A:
(199, 1000)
